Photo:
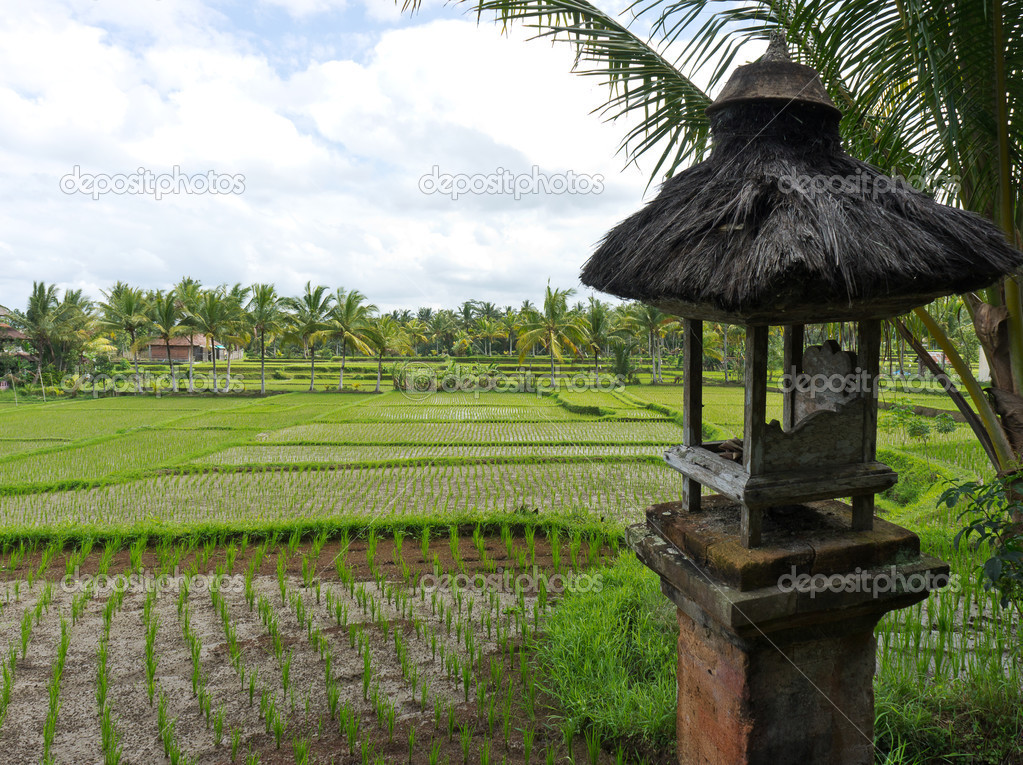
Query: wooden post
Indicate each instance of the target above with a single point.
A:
(792, 365)
(868, 357)
(692, 403)
(755, 412)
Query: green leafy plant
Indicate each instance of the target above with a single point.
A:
(994, 515)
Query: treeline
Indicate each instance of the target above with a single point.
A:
(64, 332)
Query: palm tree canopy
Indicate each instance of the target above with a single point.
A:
(125, 310)
(350, 318)
(555, 327)
(165, 315)
(309, 313)
(264, 310)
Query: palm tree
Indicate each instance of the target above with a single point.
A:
(385, 336)
(653, 323)
(554, 328)
(511, 323)
(485, 310)
(57, 328)
(489, 329)
(928, 90)
(212, 317)
(418, 332)
(238, 333)
(188, 291)
(443, 328)
(308, 322)
(349, 322)
(467, 314)
(165, 320)
(266, 319)
(126, 310)
(597, 329)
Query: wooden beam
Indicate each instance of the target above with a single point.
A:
(750, 521)
(868, 356)
(692, 403)
(792, 365)
(754, 424)
(755, 410)
(785, 488)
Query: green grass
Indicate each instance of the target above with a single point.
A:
(610, 656)
(571, 432)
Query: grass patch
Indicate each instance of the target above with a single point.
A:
(608, 657)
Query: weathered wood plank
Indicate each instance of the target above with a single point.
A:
(709, 469)
(750, 523)
(781, 488)
(692, 403)
(755, 410)
(868, 346)
(792, 365)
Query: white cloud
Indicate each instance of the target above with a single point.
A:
(331, 154)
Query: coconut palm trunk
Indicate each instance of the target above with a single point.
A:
(170, 363)
(213, 348)
(344, 358)
(191, 363)
(312, 370)
(262, 363)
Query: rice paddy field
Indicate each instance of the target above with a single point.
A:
(365, 578)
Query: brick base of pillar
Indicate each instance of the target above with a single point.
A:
(767, 703)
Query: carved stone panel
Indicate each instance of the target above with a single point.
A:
(828, 381)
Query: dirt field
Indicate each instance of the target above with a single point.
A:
(334, 654)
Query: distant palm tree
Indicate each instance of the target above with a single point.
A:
(56, 328)
(486, 310)
(554, 328)
(125, 310)
(212, 317)
(188, 290)
(266, 319)
(511, 323)
(385, 336)
(653, 323)
(467, 314)
(165, 317)
(238, 333)
(597, 329)
(418, 332)
(489, 329)
(443, 328)
(308, 322)
(349, 323)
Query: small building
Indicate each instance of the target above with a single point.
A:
(7, 332)
(194, 348)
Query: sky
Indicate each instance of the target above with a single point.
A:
(289, 141)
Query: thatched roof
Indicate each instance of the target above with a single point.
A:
(780, 225)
